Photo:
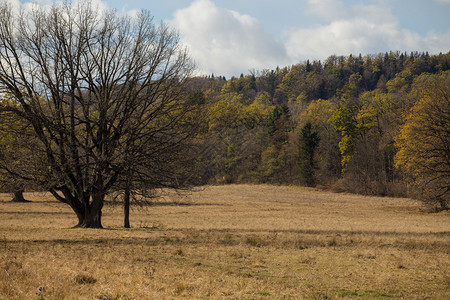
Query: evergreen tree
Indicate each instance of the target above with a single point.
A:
(308, 142)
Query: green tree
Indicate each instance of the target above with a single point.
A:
(344, 119)
(278, 123)
(346, 124)
(327, 153)
(278, 160)
(308, 142)
(234, 138)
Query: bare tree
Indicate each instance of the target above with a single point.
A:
(103, 94)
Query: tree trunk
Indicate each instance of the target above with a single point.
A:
(91, 217)
(18, 196)
(80, 219)
(87, 206)
(126, 208)
(443, 204)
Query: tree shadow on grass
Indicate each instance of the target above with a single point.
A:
(223, 238)
(35, 213)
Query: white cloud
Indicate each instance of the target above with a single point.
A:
(357, 29)
(226, 42)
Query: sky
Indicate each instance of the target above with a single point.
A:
(230, 37)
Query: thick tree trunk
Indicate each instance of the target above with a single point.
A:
(18, 196)
(92, 219)
(87, 207)
(91, 214)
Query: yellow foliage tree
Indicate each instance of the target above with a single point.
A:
(424, 140)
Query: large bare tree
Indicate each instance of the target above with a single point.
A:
(103, 94)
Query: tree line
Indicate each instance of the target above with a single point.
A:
(98, 104)
(350, 123)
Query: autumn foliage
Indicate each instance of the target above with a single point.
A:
(348, 124)
(424, 140)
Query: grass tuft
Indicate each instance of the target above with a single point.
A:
(85, 279)
(254, 241)
(179, 252)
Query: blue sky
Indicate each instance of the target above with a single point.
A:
(277, 15)
(230, 37)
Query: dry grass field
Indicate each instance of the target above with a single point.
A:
(228, 242)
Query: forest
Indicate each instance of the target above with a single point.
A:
(373, 125)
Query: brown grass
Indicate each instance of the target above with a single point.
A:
(232, 242)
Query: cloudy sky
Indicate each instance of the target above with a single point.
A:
(230, 37)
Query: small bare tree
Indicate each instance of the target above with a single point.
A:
(103, 95)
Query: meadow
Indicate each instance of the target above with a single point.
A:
(228, 242)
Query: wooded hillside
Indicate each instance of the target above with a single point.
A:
(335, 124)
